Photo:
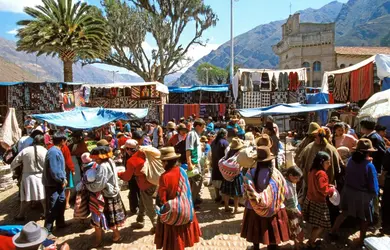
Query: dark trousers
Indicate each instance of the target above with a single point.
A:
(55, 207)
(385, 206)
(134, 195)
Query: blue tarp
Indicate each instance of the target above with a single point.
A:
(385, 83)
(85, 118)
(287, 109)
(208, 88)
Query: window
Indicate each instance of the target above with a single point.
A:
(306, 65)
(316, 66)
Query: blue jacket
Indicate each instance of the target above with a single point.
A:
(54, 170)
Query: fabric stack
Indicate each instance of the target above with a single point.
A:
(6, 181)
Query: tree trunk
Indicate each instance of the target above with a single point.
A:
(68, 70)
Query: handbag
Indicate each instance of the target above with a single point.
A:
(268, 202)
(229, 168)
(81, 205)
(180, 210)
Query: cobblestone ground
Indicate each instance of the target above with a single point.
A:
(220, 230)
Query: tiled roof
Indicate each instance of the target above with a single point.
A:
(362, 51)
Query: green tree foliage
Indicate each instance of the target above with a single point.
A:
(164, 21)
(60, 28)
(215, 75)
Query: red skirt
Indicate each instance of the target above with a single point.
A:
(267, 231)
(177, 237)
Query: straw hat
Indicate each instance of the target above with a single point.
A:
(130, 143)
(313, 127)
(364, 145)
(171, 125)
(168, 153)
(204, 139)
(263, 140)
(119, 134)
(334, 119)
(102, 142)
(236, 144)
(31, 235)
(182, 126)
(264, 154)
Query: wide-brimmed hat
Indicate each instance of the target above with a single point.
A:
(102, 142)
(31, 235)
(204, 139)
(263, 140)
(181, 126)
(101, 152)
(236, 143)
(364, 145)
(334, 119)
(131, 143)
(168, 153)
(264, 154)
(119, 134)
(171, 125)
(313, 127)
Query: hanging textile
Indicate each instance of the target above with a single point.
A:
(265, 82)
(302, 95)
(251, 99)
(362, 83)
(292, 97)
(173, 111)
(265, 99)
(274, 83)
(341, 87)
(279, 97)
(222, 109)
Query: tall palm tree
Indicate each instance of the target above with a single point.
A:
(60, 28)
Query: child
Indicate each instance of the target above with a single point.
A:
(315, 209)
(293, 175)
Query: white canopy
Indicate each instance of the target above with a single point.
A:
(159, 86)
(302, 76)
(377, 106)
(382, 65)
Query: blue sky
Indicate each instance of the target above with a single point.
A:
(248, 14)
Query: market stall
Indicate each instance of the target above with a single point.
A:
(203, 101)
(263, 87)
(151, 95)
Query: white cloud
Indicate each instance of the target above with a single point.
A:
(18, 5)
(197, 51)
(13, 32)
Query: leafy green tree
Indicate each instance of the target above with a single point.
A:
(211, 74)
(60, 28)
(164, 22)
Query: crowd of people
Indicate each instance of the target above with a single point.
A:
(332, 161)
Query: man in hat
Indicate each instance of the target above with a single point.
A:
(171, 131)
(275, 126)
(134, 167)
(54, 180)
(193, 156)
(210, 125)
(368, 131)
(309, 138)
(269, 129)
(121, 138)
(234, 129)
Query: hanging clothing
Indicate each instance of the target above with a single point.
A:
(341, 87)
(265, 82)
(362, 83)
(274, 83)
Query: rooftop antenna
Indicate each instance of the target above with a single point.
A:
(290, 8)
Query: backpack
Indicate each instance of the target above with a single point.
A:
(152, 168)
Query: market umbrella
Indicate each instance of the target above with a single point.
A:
(377, 106)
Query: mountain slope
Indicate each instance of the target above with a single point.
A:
(46, 68)
(10, 72)
(253, 49)
(363, 22)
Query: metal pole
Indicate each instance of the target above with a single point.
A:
(231, 43)
(207, 76)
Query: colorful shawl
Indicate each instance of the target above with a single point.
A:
(270, 200)
(180, 210)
